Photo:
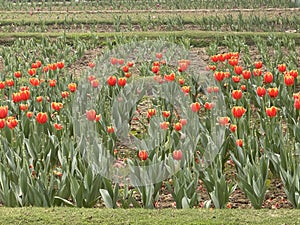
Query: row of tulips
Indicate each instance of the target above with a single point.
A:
(61, 140)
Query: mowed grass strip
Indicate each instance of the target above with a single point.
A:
(28, 215)
(197, 38)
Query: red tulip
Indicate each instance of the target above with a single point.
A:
(289, 80)
(113, 61)
(64, 94)
(2, 84)
(233, 127)
(224, 120)
(11, 122)
(271, 112)
(183, 122)
(10, 82)
(2, 123)
(16, 97)
(29, 114)
(52, 83)
(177, 155)
(261, 91)
(236, 79)
(257, 72)
(164, 125)
(273, 92)
(268, 77)
(72, 87)
(127, 75)
(243, 87)
(233, 61)
(238, 111)
(18, 74)
(258, 64)
(41, 117)
(297, 103)
(281, 68)
(57, 126)
(91, 114)
(91, 64)
(186, 89)
(158, 55)
(3, 112)
(125, 69)
(32, 71)
(23, 107)
(39, 98)
(166, 114)
(155, 69)
(122, 81)
(143, 155)
(246, 74)
(195, 106)
(52, 66)
(209, 105)
(239, 142)
(112, 80)
(178, 126)
(170, 77)
(238, 70)
(237, 94)
(130, 64)
(95, 83)
(151, 112)
(219, 75)
(294, 73)
(60, 65)
(110, 129)
(56, 106)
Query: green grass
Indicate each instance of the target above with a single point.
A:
(141, 216)
(197, 38)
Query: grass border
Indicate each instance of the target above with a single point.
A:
(197, 38)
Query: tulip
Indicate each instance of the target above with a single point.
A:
(224, 120)
(238, 111)
(158, 55)
(214, 58)
(166, 114)
(3, 112)
(170, 77)
(52, 83)
(239, 142)
(112, 80)
(209, 105)
(289, 80)
(294, 73)
(41, 117)
(10, 82)
(257, 72)
(155, 69)
(64, 94)
(57, 126)
(39, 98)
(164, 125)
(258, 64)
(238, 70)
(23, 107)
(273, 92)
(297, 103)
(281, 68)
(178, 126)
(151, 112)
(186, 89)
(122, 81)
(110, 129)
(91, 115)
(233, 127)
(177, 155)
(271, 112)
(125, 69)
(18, 74)
(31, 71)
(56, 106)
(195, 106)
(72, 87)
(236, 79)
(11, 122)
(2, 123)
(183, 122)
(143, 155)
(268, 77)
(237, 94)
(60, 65)
(219, 75)
(29, 114)
(2, 84)
(261, 91)
(91, 64)
(233, 61)
(246, 74)
(34, 81)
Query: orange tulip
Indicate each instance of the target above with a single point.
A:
(238, 111)
(42, 117)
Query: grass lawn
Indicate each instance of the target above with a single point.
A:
(63, 215)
